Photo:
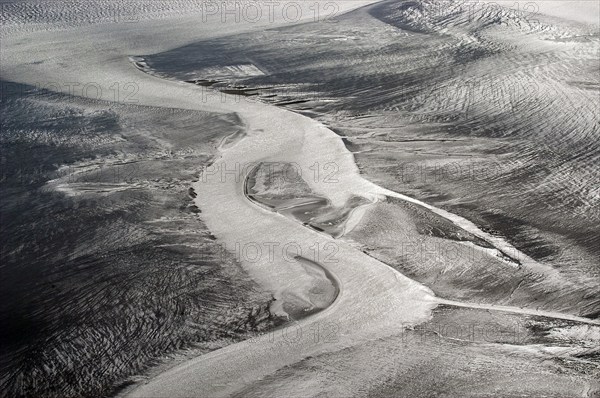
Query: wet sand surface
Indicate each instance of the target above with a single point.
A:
(106, 263)
(280, 186)
(499, 128)
(370, 337)
(459, 352)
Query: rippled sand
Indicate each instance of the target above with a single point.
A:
(106, 264)
(389, 79)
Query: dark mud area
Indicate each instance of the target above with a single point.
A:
(106, 265)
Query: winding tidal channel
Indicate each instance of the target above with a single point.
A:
(372, 300)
